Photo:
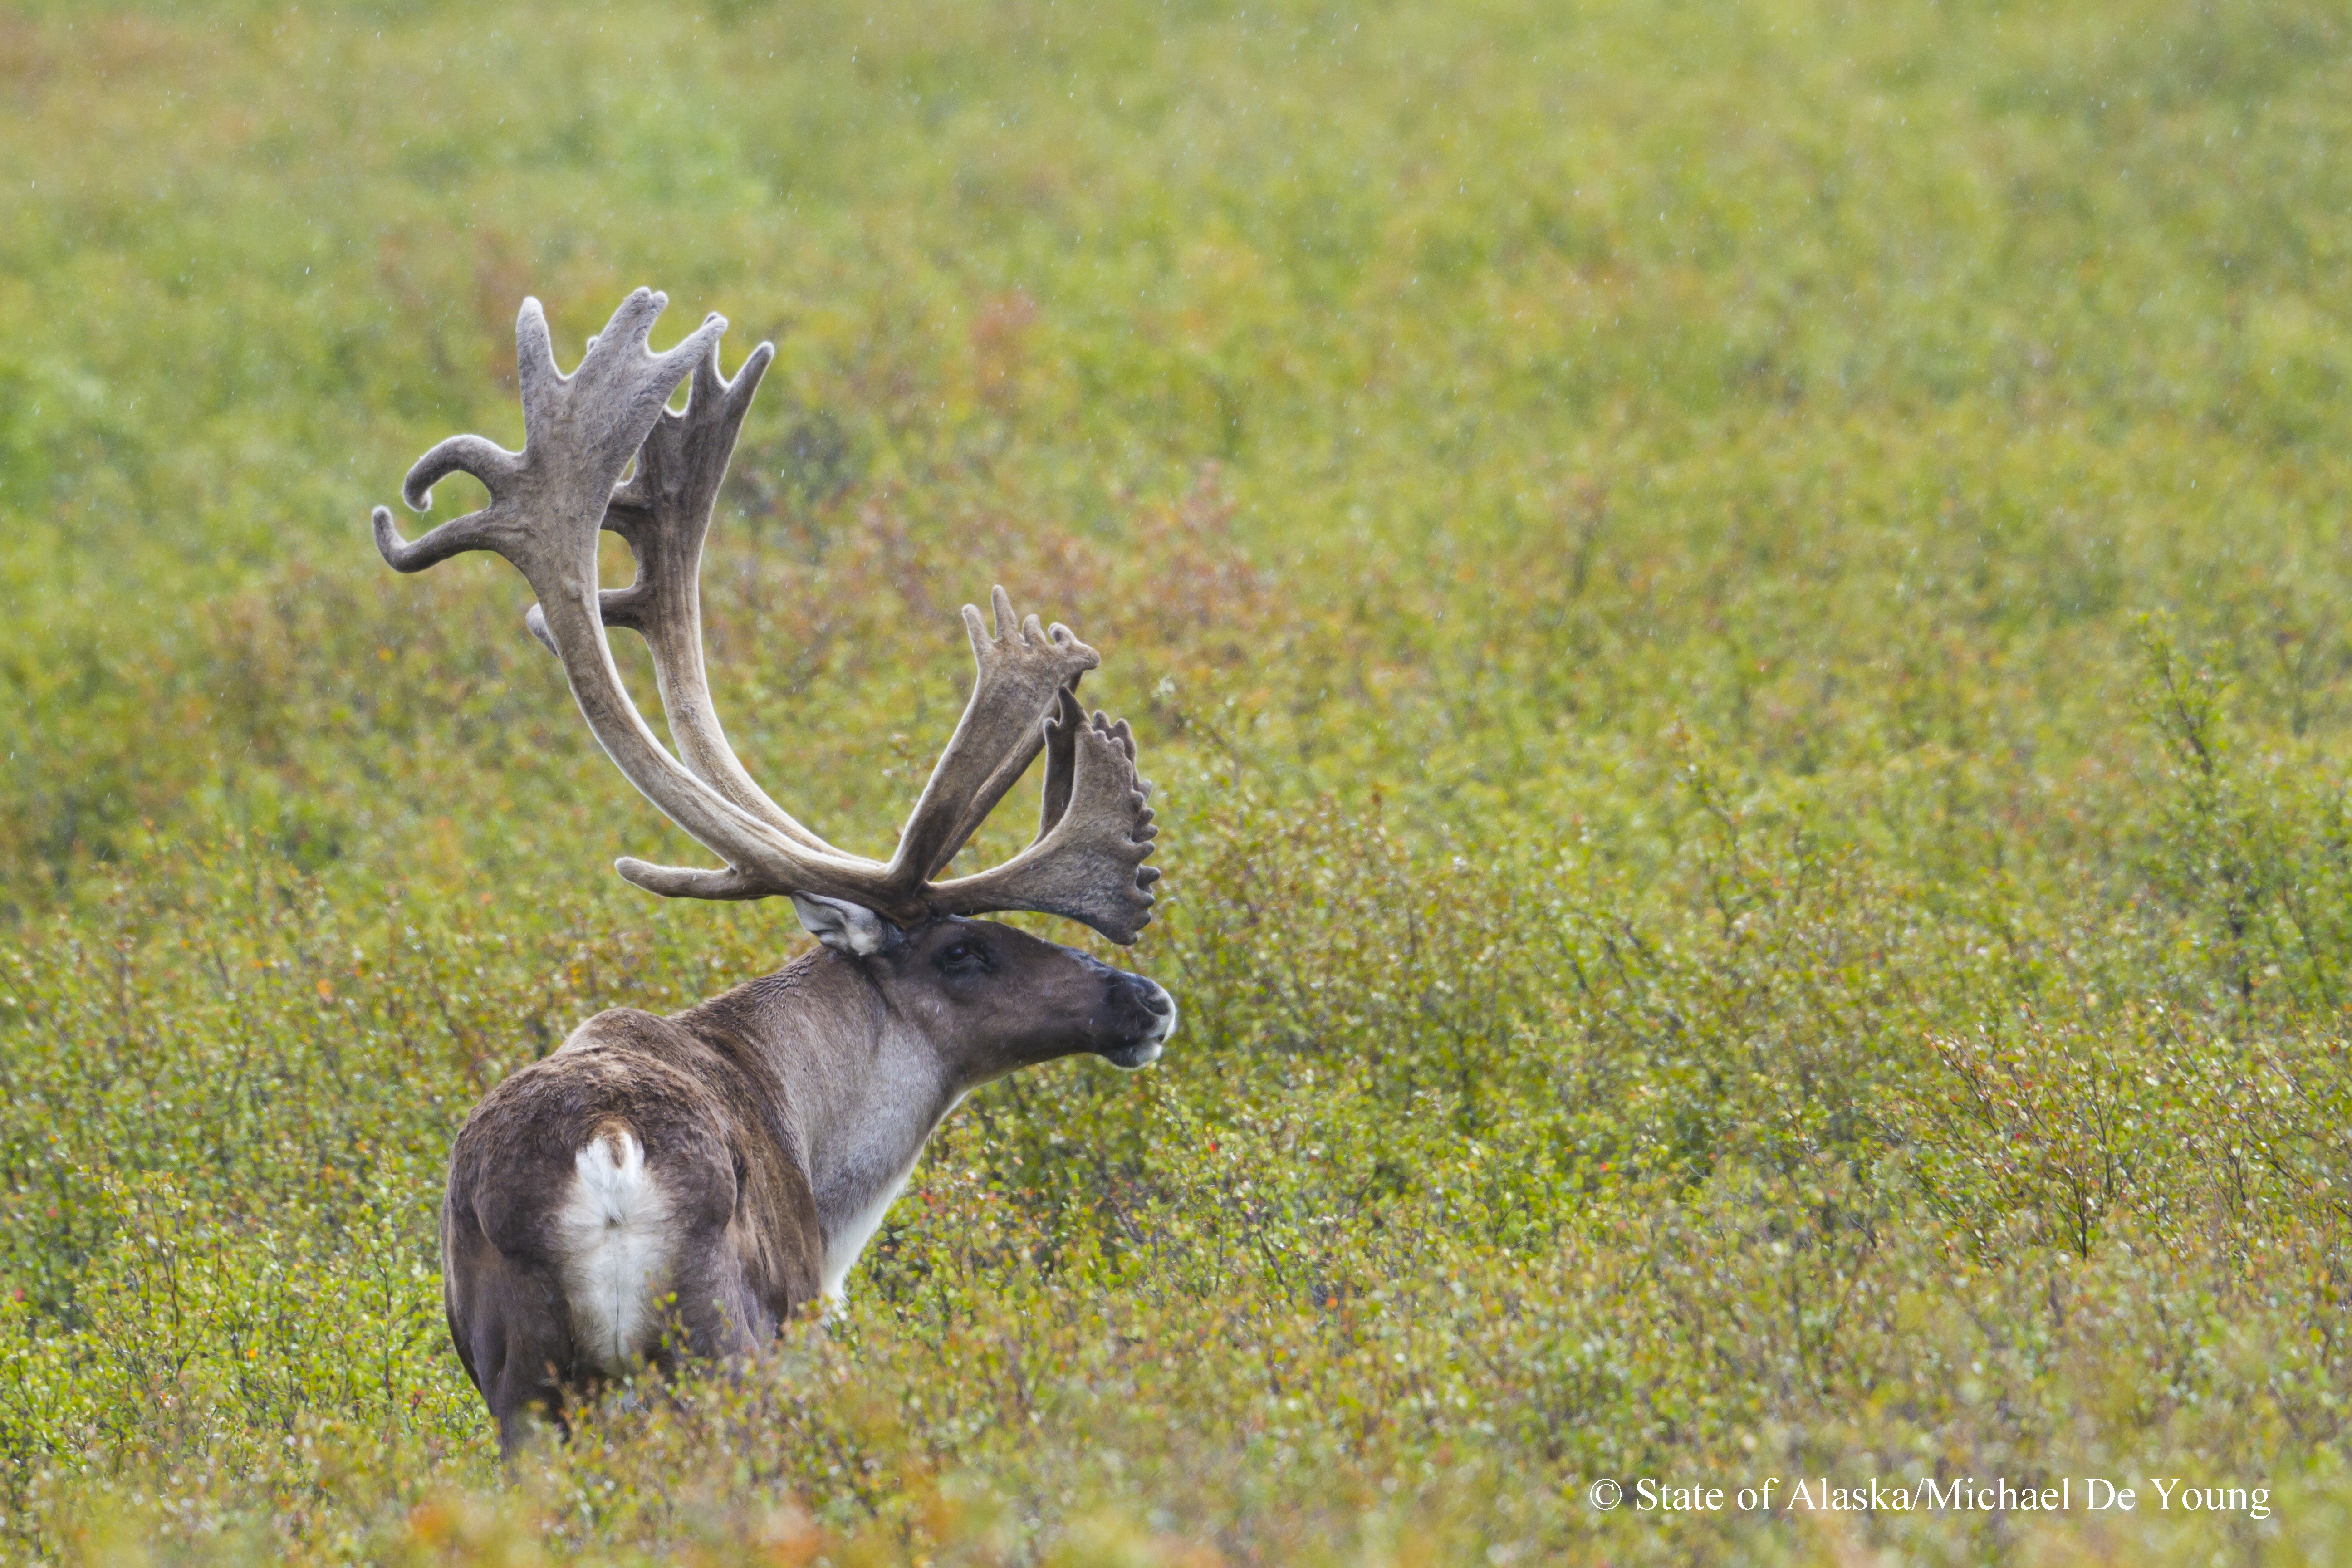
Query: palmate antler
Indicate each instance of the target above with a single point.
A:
(547, 504)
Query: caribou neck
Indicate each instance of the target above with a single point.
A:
(858, 1087)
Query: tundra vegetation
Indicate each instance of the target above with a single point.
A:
(1741, 612)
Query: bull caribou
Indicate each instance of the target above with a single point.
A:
(661, 1187)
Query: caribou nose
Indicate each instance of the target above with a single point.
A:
(1158, 1020)
(1156, 1001)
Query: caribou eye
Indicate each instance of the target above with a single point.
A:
(962, 959)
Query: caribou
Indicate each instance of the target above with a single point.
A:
(660, 1188)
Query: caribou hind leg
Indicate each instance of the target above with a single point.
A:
(512, 1329)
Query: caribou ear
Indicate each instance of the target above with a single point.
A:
(843, 926)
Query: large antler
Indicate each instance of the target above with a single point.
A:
(547, 503)
(664, 512)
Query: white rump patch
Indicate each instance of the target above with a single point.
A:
(613, 1236)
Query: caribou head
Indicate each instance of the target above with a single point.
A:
(662, 1186)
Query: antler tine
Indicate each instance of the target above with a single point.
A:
(1008, 772)
(1088, 864)
(1061, 759)
(488, 529)
(1020, 670)
(664, 510)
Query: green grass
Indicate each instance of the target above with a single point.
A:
(1739, 612)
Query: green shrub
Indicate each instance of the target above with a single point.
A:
(1735, 612)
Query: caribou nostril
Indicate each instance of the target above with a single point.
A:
(1156, 1001)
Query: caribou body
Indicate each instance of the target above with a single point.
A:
(669, 1187)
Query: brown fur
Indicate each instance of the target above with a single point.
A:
(762, 1113)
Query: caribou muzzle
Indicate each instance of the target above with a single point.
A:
(1144, 1014)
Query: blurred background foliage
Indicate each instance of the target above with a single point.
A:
(1738, 613)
